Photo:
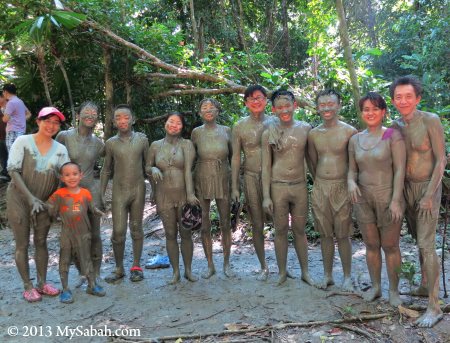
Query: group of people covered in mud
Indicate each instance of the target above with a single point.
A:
(381, 173)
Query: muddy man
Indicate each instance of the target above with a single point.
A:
(285, 193)
(85, 149)
(327, 149)
(125, 159)
(212, 179)
(425, 165)
(246, 138)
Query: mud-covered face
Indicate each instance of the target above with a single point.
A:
(71, 175)
(49, 125)
(372, 115)
(328, 106)
(209, 112)
(256, 103)
(88, 117)
(174, 125)
(123, 120)
(284, 108)
(405, 99)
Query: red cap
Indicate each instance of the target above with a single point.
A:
(46, 111)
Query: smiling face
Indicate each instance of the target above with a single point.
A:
(209, 112)
(284, 108)
(71, 175)
(256, 103)
(88, 117)
(372, 115)
(173, 125)
(328, 107)
(123, 120)
(405, 99)
(49, 125)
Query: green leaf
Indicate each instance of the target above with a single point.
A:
(266, 75)
(374, 52)
(69, 20)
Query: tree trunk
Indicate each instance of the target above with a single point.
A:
(286, 38)
(371, 23)
(60, 64)
(270, 10)
(194, 29)
(238, 14)
(127, 79)
(40, 54)
(109, 93)
(343, 32)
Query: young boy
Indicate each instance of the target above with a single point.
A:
(126, 156)
(74, 206)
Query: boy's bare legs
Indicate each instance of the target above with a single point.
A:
(327, 248)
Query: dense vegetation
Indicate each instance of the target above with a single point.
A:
(62, 52)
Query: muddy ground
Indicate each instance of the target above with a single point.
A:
(210, 309)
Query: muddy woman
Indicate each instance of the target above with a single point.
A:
(212, 179)
(33, 165)
(85, 149)
(170, 167)
(375, 182)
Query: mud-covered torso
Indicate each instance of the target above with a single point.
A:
(39, 172)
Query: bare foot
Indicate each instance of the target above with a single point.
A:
(374, 293)
(306, 278)
(394, 298)
(421, 291)
(327, 281)
(282, 279)
(188, 276)
(347, 285)
(211, 271)
(430, 318)
(115, 276)
(175, 278)
(228, 271)
(263, 275)
(289, 275)
(81, 281)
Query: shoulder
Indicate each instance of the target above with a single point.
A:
(61, 136)
(197, 131)
(187, 143)
(224, 128)
(430, 118)
(303, 125)
(141, 136)
(347, 127)
(60, 147)
(85, 193)
(156, 144)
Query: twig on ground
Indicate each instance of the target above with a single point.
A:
(97, 313)
(197, 320)
(360, 331)
(331, 294)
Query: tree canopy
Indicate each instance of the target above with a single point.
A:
(158, 55)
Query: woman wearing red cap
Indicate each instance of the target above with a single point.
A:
(33, 165)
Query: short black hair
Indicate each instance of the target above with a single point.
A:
(252, 89)
(376, 100)
(328, 92)
(407, 80)
(281, 92)
(70, 163)
(88, 104)
(10, 88)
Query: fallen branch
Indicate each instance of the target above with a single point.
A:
(267, 328)
(197, 320)
(356, 330)
(331, 294)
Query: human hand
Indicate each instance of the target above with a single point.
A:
(353, 191)
(99, 213)
(235, 195)
(425, 207)
(268, 206)
(192, 200)
(396, 211)
(156, 174)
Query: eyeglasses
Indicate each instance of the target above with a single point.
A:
(52, 122)
(257, 99)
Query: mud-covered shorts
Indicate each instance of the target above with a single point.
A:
(421, 228)
(332, 208)
(289, 198)
(373, 205)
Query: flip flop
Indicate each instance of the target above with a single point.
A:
(136, 274)
(114, 277)
(66, 297)
(32, 295)
(48, 289)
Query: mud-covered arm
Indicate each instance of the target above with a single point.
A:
(61, 137)
(235, 163)
(145, 157)
(312, 155)
(352, 175)
(398, 150)
(189, 157)
(230, 145)
(52, 205)
(107, 169)
(266, 172)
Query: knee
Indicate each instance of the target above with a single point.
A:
(171, 234)
(118, 237)
(186, 234)
(391, 249)
(40, 241)
(373, 246)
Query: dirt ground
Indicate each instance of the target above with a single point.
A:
(212, 310)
